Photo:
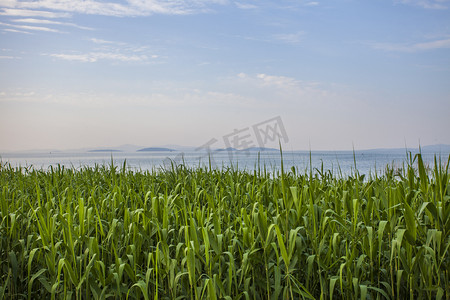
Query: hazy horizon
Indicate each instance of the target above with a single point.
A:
(339, 75)
(190, 148)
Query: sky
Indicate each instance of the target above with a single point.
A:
(335, 74)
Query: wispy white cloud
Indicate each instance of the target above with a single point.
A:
(178, 97)
(73, 6)
(105, 42)
(49, 22)
(27, 27)
(96, 56)
(285, 83)
(415, 47)
(244, 5)
(312, 3)
(428, 4)
(12, 12)
(128, 8)
(290, 38)
(6, 53)
(248, 91)
(16, 31)
(121, 47)
(142, 7)
(284, 87)
(16, 94)
(105, 50)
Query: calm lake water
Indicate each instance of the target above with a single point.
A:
(370, 161)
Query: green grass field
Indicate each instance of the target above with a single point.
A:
(108, 232)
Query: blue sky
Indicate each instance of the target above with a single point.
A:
(340, 74)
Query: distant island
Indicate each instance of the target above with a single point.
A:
(105, 150)
(155, 149)
(436, 148)
(227, 149)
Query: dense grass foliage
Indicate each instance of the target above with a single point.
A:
(109, 232)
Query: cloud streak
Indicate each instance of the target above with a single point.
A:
(16, 31)
(290, 38)
(284, 88)
(109, 51)
(27, 27)
(105, 42)
(92, 7)
(49, 22)
(243, 5)
(427, 4)
(416, 47)
(97, 56)
(12, 12)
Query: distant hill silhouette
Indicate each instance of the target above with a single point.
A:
(227, 149)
